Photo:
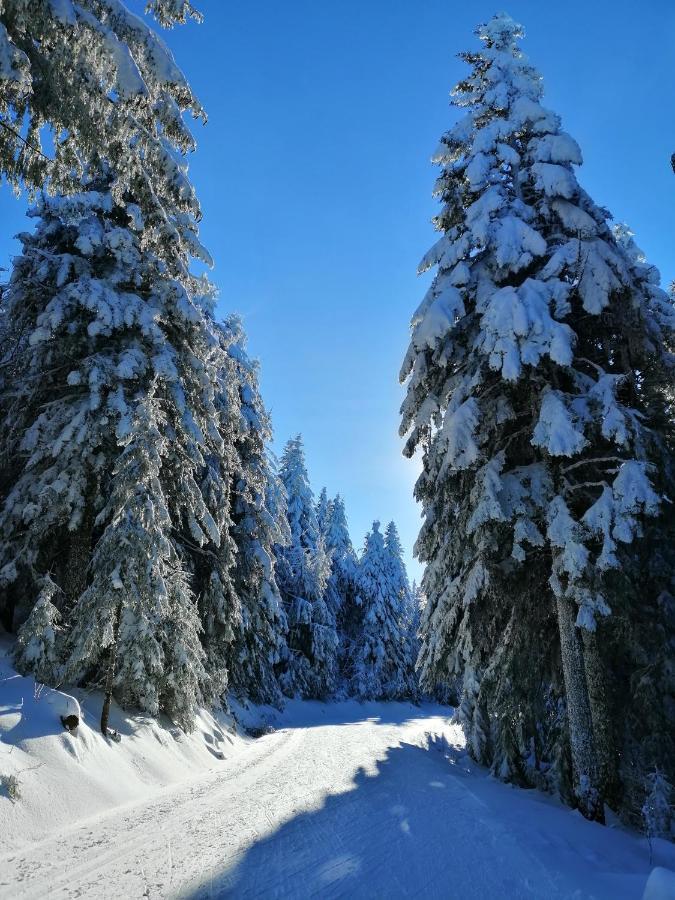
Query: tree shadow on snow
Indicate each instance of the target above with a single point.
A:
(428, 824)
(359, 843)
(23, 704)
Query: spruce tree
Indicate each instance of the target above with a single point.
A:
(137, 619)
(342, 584)
(407, 599)
(417, 604)
(37, 651)
(259, 645)
(323, 512)
(381, 654)
(213, 563)
(76, 281)
(399, 575)
(535, 390)
(115, 355)
(108, 338)
(303, 572)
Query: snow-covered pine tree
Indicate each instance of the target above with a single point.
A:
(106, 88)
(536, 375)
(257, 526)
(56, 429)
(399, 575)
(123, 318)
(213, 562)
(108, 332)
(303, 571)
(381, 654)
(408, 601)
(37, 652)
(136, 623)
(277, 502)
(323, 511)
(341, 588)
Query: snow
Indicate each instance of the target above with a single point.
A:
(516, 244)
(554, 180)
(438, 317)
(557, 148)
(12, 60)
(63, 11)
(555, 429)
(65, 778)
(517, 327)
(336, 800)
(660, 885)
(458, 434)
(575, 219)
(62, 706)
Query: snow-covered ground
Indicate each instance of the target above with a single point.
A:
(341, 800)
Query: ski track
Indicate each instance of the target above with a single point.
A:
(342, 809)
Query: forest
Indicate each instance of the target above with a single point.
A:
(154, 549)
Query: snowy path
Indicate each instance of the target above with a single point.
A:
(346, 801)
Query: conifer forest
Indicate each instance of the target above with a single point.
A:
(210, 686)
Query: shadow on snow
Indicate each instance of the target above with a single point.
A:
(426, 825)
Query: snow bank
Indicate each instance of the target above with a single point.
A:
(660, 885)
(64, 707)
(64, 777)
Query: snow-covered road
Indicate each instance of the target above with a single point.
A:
(342, 801)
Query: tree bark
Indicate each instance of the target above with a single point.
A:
(596, 680)
(110, 674)
(582, 738)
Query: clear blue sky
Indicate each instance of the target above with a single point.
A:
(315, 181)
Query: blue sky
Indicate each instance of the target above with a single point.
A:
(315, 181)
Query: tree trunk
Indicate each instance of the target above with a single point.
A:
(110, 674)
(582, 738)
(596, 680)
(7, 607)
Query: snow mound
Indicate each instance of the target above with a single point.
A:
(63, 705)
(66, 776)
(660, 885)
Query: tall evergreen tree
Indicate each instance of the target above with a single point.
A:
(110, 345)
(536, 375)
(323, 512)
(113, 355)
(409, 603)
(342, 584)
(259, 646)
(417, 604)
(657, 809)
(137, 619)
(399, 575)
(303, 572)
(381, 654)
(213, 564)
